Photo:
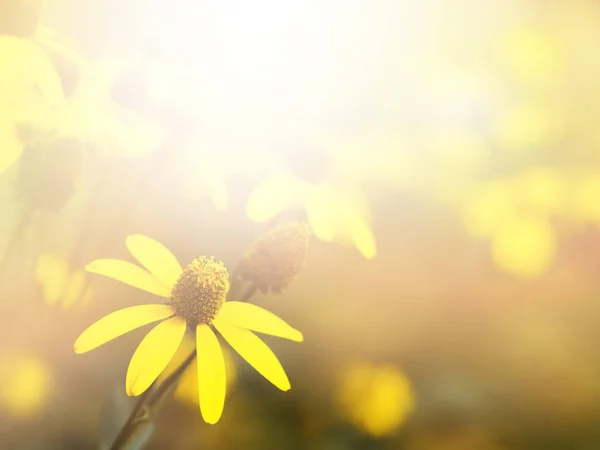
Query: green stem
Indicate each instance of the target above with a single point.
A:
(171, 380)
(149, 400)
(125, 431)
(248, 293)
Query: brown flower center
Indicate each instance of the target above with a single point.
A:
(201, 290)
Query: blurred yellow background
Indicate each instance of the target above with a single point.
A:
(446, 155)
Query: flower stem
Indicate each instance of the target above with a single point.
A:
(248, 293)
(149, 400)
(171, 380)
(125, 430)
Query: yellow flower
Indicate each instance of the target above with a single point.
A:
(29, 87)
(532, 55)
(376, 398)
(321, 174)
(543, 190)
(489, 206)
(529, 126)
(25, 384)
(196, 300)
(515, 213)
(586, 207)
(527, 247)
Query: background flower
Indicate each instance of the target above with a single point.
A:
(30, 89)
(309, 178)
(377, 399)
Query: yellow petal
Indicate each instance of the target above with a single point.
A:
(272, 195)
(153, 354)
(319, 214)
(157, 258)
(362, 236)
(340, 216)
(118, 323)
(211, 374)
(27, 68)
(130, 274)
(255, 318)
(255, 352)
(187, 389)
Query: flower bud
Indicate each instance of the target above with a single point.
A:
(277, 257)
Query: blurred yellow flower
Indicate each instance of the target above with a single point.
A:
(460, 152)
(29, 88)
(380, 157)
(586, 199)
(28, 74)
(543, 190)
(323, 175)
(25, 384)
(489, 207)
(334, 214)
(530, 126)
(532, 54)
(376, 398)
(196, 301)
(60, 283)
(526, 246)
(514, 213)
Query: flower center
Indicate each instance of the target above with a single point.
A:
(201, 290)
